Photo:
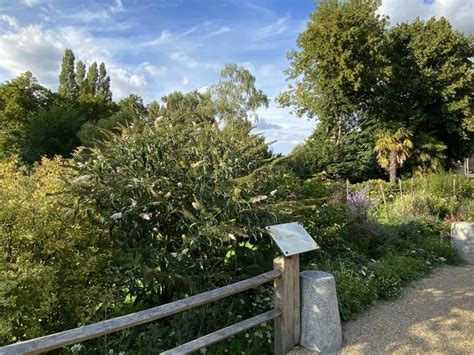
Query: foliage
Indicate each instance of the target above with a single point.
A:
(35, 122)
(68, 87)
(170, 198)
(373, 248)
(19, 99)
(92, 133)
(443, 185)
(420, 206)
(81, 81)
(52, 131)
(358, 203)
(431, 84)
(130, 110)
(49, 260)
(169, 195)
(92, 77)
(356, 77)
(103, 84)
(235, 95)
(430, 156)
(393, 149)
(352, 159)
(397, 254)
(340, 64)
(194, 105)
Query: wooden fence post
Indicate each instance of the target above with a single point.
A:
(287, 299)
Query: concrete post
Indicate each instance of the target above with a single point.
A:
(462, 239)
(320, 322)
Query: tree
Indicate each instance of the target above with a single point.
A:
(19, 99)
(130, 110)
(103, 83)
(52, 131)
(353, 159)
(393, 149)
(174, 196)
(430, 156)
(431, 84)
(357, 77)
(67, 77)
(339, 70)
(134, 104)
(235, 95)
(190, 106)
(81, 77)
(92, 78)
(52, 263)
(153, 110)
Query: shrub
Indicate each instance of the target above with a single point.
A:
(393, 272)
(48, 254)
(443, 185)
(355, 290)
(182, 204)
(416, 206)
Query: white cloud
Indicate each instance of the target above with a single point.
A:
(40, 51)
(117, 6)
(12, 21)
(272, 29)
(32, 48)
(185, 80)
(123, 82)
(32, 3)
(264, 124)
(280, 126)
(184, 59)
(217, 32)
(459, 12)
(153, 69)
(86, 16)
(164, 36)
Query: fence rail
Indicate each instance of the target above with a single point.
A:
(285, 300)
(224, 333)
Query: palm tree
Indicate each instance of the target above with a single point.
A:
(393, 149)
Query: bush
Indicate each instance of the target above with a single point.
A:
(443, 185)
(355, 290)
(466, 211)
(48, 253)
(420, 205)
(375, 249)
(393, 272)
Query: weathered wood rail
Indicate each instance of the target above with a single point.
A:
(286, 314)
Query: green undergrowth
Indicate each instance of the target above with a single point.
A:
(99, 237)
(374, 247)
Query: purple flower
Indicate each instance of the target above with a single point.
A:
(358, 202)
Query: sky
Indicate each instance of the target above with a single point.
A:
(154, 47)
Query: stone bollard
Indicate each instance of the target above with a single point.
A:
(462, 239)
(320, 322)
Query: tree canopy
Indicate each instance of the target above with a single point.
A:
(356, 76)
(236, 96)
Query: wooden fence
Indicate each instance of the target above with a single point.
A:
(286, 316)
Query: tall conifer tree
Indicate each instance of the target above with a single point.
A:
(92, 78)
(81, 77)
(103, 83)
(67, 77)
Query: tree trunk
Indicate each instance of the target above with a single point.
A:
(392, 169)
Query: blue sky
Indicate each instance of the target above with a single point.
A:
(154, 47)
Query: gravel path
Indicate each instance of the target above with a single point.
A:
(434, 316)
